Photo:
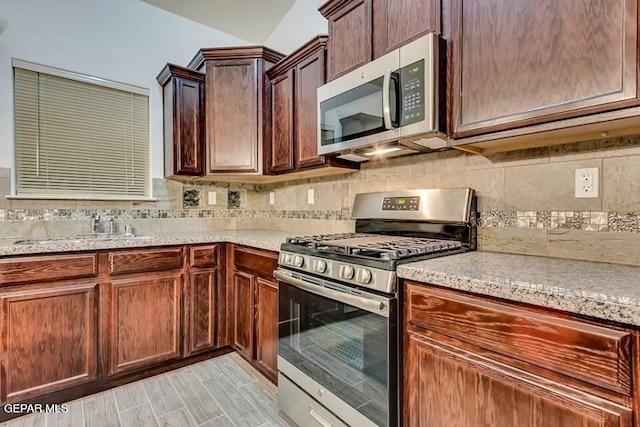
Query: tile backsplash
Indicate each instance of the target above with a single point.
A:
(525, 201)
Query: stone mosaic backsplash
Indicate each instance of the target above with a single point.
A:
(562, 220)
(548, 220)
(124, 214)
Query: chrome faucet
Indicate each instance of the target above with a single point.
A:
(95, 223)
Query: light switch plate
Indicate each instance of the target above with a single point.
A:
(311, 196)
(272, 198)
(213, 197)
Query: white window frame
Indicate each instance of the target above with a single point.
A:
(58, 72)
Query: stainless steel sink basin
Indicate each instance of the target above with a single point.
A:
(79, 238)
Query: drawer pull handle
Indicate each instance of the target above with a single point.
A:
(319, 418)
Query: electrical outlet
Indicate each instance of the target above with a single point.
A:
(272, 198)
(587, 183)
(311, 196)
(213, 197)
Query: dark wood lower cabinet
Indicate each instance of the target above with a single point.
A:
(49, 338)
(255, 307)
(76, 324)
(474, 361)
(449, 386)
(267, 325)
(145, 321)
(243, 302)
(203, 310)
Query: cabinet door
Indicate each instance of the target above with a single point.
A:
(203, 310)
(144, 324)
(267, 325)
(396, 22)
(49, 339)
(188, 123)
(517, 63)
(309, 76)
(282, 122)
(243, 312)
(349, 44)
(448, 386)
(232, 116)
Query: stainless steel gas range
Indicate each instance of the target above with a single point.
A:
(339, 311)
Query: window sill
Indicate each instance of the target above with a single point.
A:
(96, 198)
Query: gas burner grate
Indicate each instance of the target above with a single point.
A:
(374, 245)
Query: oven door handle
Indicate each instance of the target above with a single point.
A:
(376, 305)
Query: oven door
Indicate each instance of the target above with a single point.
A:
(339, 345)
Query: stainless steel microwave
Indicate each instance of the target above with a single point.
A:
(389, 106)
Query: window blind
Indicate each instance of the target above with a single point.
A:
(75, 139)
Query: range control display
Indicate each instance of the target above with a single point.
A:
(401, 203)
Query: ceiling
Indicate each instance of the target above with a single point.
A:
(250, 20)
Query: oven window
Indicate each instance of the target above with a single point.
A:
(343, 348)
(354, 113)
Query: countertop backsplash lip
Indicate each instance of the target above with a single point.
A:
(599, 290)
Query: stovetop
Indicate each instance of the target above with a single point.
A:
(392, 228)
(373, 246)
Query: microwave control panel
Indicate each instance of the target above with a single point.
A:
(401, 203)
(412, 93)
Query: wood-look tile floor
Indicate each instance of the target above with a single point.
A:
(219, 392)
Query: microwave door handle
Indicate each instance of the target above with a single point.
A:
(386, 104)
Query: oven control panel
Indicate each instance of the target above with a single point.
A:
(401, 203)
(369, 277)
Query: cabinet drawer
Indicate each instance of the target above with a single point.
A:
(595, 354)
(137, 261)
(203, 256)
(41, 268)
(261, 262)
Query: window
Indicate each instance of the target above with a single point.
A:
(78, 136)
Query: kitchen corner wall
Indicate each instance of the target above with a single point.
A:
(526, 201)
(526, 198)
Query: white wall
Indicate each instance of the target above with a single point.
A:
(299, 25)
(123, 40)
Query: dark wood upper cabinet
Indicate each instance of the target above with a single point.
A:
(349, 44)
(282, 88)
(519, 63)
(237, 106)
(396, 22)
(310, 74)
(362, 30)
(294, 109)
(183, 97)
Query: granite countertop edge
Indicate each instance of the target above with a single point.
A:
(611, 302)
(261, 239)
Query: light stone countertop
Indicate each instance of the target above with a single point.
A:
(262, 239)
(604, 291)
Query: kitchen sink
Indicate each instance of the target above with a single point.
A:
(79, 238)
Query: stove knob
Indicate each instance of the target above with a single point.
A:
(288, 259)
(298, 261)
(346, 272)
(363, 276)
(321, 266)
